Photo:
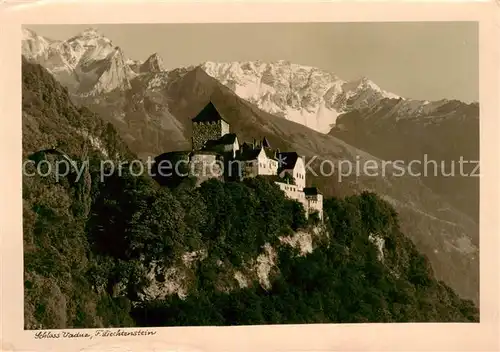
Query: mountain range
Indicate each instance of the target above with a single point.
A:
(298, 108)
(90, 65)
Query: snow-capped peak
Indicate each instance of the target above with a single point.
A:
(133, 62)
(33, 45)
(154, 63)
(360, 83)
(87, 63)
(304, 94)
(354, 87)
(89, 34)
(110, 73)
(28, 34)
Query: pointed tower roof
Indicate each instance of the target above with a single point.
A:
(208, 114)
(265, 143)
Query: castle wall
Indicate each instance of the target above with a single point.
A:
(299, 173)
(205, 166)
(261, 166)
(315, 203)
(251, 168)
(232, 148)
(266, 166)
(205, 131)
(293, 192)
(272, 166)
(224, 127)
(310, 203)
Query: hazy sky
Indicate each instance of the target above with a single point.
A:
(420, 60)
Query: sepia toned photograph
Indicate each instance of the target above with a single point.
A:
(205, 174)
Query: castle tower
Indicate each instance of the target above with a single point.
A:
(208, 125)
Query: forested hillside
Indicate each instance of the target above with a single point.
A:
(344, 280)
(95, 247)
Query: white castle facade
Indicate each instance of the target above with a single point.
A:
(213, 144)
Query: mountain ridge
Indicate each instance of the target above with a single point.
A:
(304, 94)
(301, 93)
(417, 135)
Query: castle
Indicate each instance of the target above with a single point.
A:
(217, 153)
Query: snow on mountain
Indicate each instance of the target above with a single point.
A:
(104, 75)
(53, 55)
(34, 45)
(154, 63)
(135, 65)
(303, 94)
(422, 111)
(87, 63)
(155, 81)
(131, 62)
(88, 46)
